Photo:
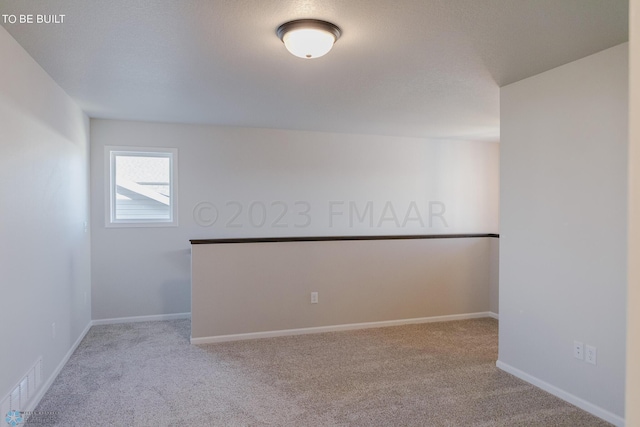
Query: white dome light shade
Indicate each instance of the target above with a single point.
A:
(308, 38)
(309, 43)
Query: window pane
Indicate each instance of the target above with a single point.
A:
(143, 188)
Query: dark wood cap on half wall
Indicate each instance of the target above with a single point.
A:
(338, 238)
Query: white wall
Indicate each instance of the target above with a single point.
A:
(563, 218)
(633, 305)
(253, 288)
(279, 170)
(44, 250)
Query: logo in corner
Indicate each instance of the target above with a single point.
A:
(14, 418)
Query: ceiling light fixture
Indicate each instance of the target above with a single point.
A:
(308, 38)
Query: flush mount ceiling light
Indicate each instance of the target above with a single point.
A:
(308, 38)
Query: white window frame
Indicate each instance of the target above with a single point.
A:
(110, 154)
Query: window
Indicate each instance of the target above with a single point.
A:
(142, 185)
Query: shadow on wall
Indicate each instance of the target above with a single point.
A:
(176, 293)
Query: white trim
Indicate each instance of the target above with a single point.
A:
(33, 404)
(494, 315)
(135, 319)
(334, 328)
(564, 395)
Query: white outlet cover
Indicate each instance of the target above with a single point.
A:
(591, 354)
(24, 391)
(15, 399)
(32, 380)
(38, 370)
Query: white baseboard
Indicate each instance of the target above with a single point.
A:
(334, 328)
(33, 404)
(493, 315)
(566, 396)
(135, 319)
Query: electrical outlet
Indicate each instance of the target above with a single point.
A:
(24, 391)
(53, 330)
(591, 354)
(38, 374)
(578, 350)
(314, 297)
(15, 399)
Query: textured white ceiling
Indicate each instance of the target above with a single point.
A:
(426, 68)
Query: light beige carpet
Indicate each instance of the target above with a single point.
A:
(437, 374)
